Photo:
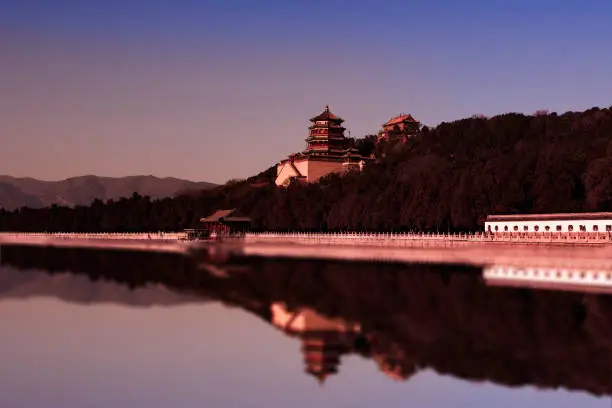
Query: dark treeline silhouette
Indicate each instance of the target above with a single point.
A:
(446, 178)
(419, 316)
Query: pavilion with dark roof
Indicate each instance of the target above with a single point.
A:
(221, 222)
(226, 221)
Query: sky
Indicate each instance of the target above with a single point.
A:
(216, 90)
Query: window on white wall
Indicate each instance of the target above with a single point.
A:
(559, 228)
(525, 228)
(583, 228)
(608, 228)
(595, 228)
(570, 228)
(536, 228)
(547, 228)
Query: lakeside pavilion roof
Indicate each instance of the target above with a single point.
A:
(327, 115)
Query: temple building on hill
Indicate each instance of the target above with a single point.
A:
(399, 128)
(324, 340)
(327, 151)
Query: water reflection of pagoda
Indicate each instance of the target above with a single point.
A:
(324, 340)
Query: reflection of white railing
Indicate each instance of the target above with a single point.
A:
(577, 277)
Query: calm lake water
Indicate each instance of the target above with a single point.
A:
(111, 329)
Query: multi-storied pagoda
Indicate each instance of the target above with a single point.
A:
(327, 151)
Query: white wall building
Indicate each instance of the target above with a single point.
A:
(568, 222)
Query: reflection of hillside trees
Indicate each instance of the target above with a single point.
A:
(134, 269)
(412, 317)
(131, 268)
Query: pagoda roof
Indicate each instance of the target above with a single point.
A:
(400, 119)
(327, 115)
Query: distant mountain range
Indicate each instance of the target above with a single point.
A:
(19, 192)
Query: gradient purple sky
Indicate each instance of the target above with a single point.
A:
(213, 90)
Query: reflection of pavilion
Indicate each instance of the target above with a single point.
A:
(324, 340)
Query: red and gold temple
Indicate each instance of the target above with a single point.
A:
(327, 151)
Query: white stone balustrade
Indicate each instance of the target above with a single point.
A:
(366, 239)
(408, 239)
(157, 236)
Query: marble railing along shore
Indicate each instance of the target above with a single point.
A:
(407, 239)
(159, 236)
(150, 242)
(366, 239)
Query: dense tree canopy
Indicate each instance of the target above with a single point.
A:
(447, 178)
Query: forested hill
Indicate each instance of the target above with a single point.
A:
(447, 178)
